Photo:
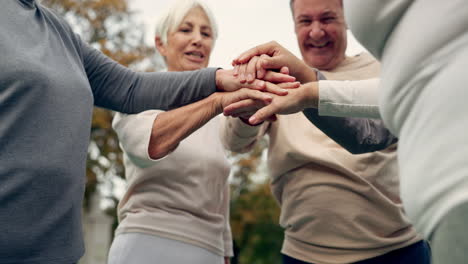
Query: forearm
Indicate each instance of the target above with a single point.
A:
(169, 128)
(121, 89)
(357, 135)
(349, 98)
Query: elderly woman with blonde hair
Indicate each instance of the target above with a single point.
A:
(176, 206)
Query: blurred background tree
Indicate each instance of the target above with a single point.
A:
(110, 26)
(254, 212)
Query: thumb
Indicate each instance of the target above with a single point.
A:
(273, 63)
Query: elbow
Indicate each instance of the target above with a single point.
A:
(352, 148)
(156, 154)
(156, 151)
(238, 147)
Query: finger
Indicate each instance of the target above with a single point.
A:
(273, 63)
(267, 48)
(260, 70)
(276, 77)
(262, 114)
(242, 70)
(266, 98)
(289, 85)
(238, 107)
(251, 69)
(242, 107)
(275, 89)
(284, 70)
(236, 70)
(256, 85)
(235, 109)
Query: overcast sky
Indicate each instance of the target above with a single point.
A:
(242, 24)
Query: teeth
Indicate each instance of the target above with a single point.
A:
(319, 45)
(195, 53)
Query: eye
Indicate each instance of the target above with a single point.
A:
(185, 30)
(206, 34)
(327, 20)
(304, 21)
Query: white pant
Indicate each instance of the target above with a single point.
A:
(139, 248)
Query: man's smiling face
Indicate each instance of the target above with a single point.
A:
(321, 32)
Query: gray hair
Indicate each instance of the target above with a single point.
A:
(173, 16)
(291, 5)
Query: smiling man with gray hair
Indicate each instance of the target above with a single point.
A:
(336, 207)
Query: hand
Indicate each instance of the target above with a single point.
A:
(226, 81)
(275, 57)
(247, 107)
(222, 100)
(246, 72)
(297, 100)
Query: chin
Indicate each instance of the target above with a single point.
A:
(193, 67)
(319, 62)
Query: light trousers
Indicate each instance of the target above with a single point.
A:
(139, 248)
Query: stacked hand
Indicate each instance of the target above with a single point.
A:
(275, 65)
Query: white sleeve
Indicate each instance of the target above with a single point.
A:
(349, 98)
(134, 132)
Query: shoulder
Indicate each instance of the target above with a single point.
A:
(58, 22)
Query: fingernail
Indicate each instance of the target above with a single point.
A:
(261, 84)
(250, 77)
(252, 120)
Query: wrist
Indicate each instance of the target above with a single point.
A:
(306, 74)
(219, 78)
(311, 95)
(215, 102)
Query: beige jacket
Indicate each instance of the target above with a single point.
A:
(335, 207)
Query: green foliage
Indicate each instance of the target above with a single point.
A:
(253, 221)
(254, 212)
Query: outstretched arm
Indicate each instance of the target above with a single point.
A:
(169, 128)
(357, 135)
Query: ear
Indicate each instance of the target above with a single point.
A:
(160, 46)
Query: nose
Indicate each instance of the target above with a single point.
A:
(197, 39)
(316, 30)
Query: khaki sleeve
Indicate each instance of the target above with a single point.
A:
(238, 136)
(227, 234)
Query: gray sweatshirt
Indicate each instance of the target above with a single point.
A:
(49, 81)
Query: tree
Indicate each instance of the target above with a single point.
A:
(254, 212)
